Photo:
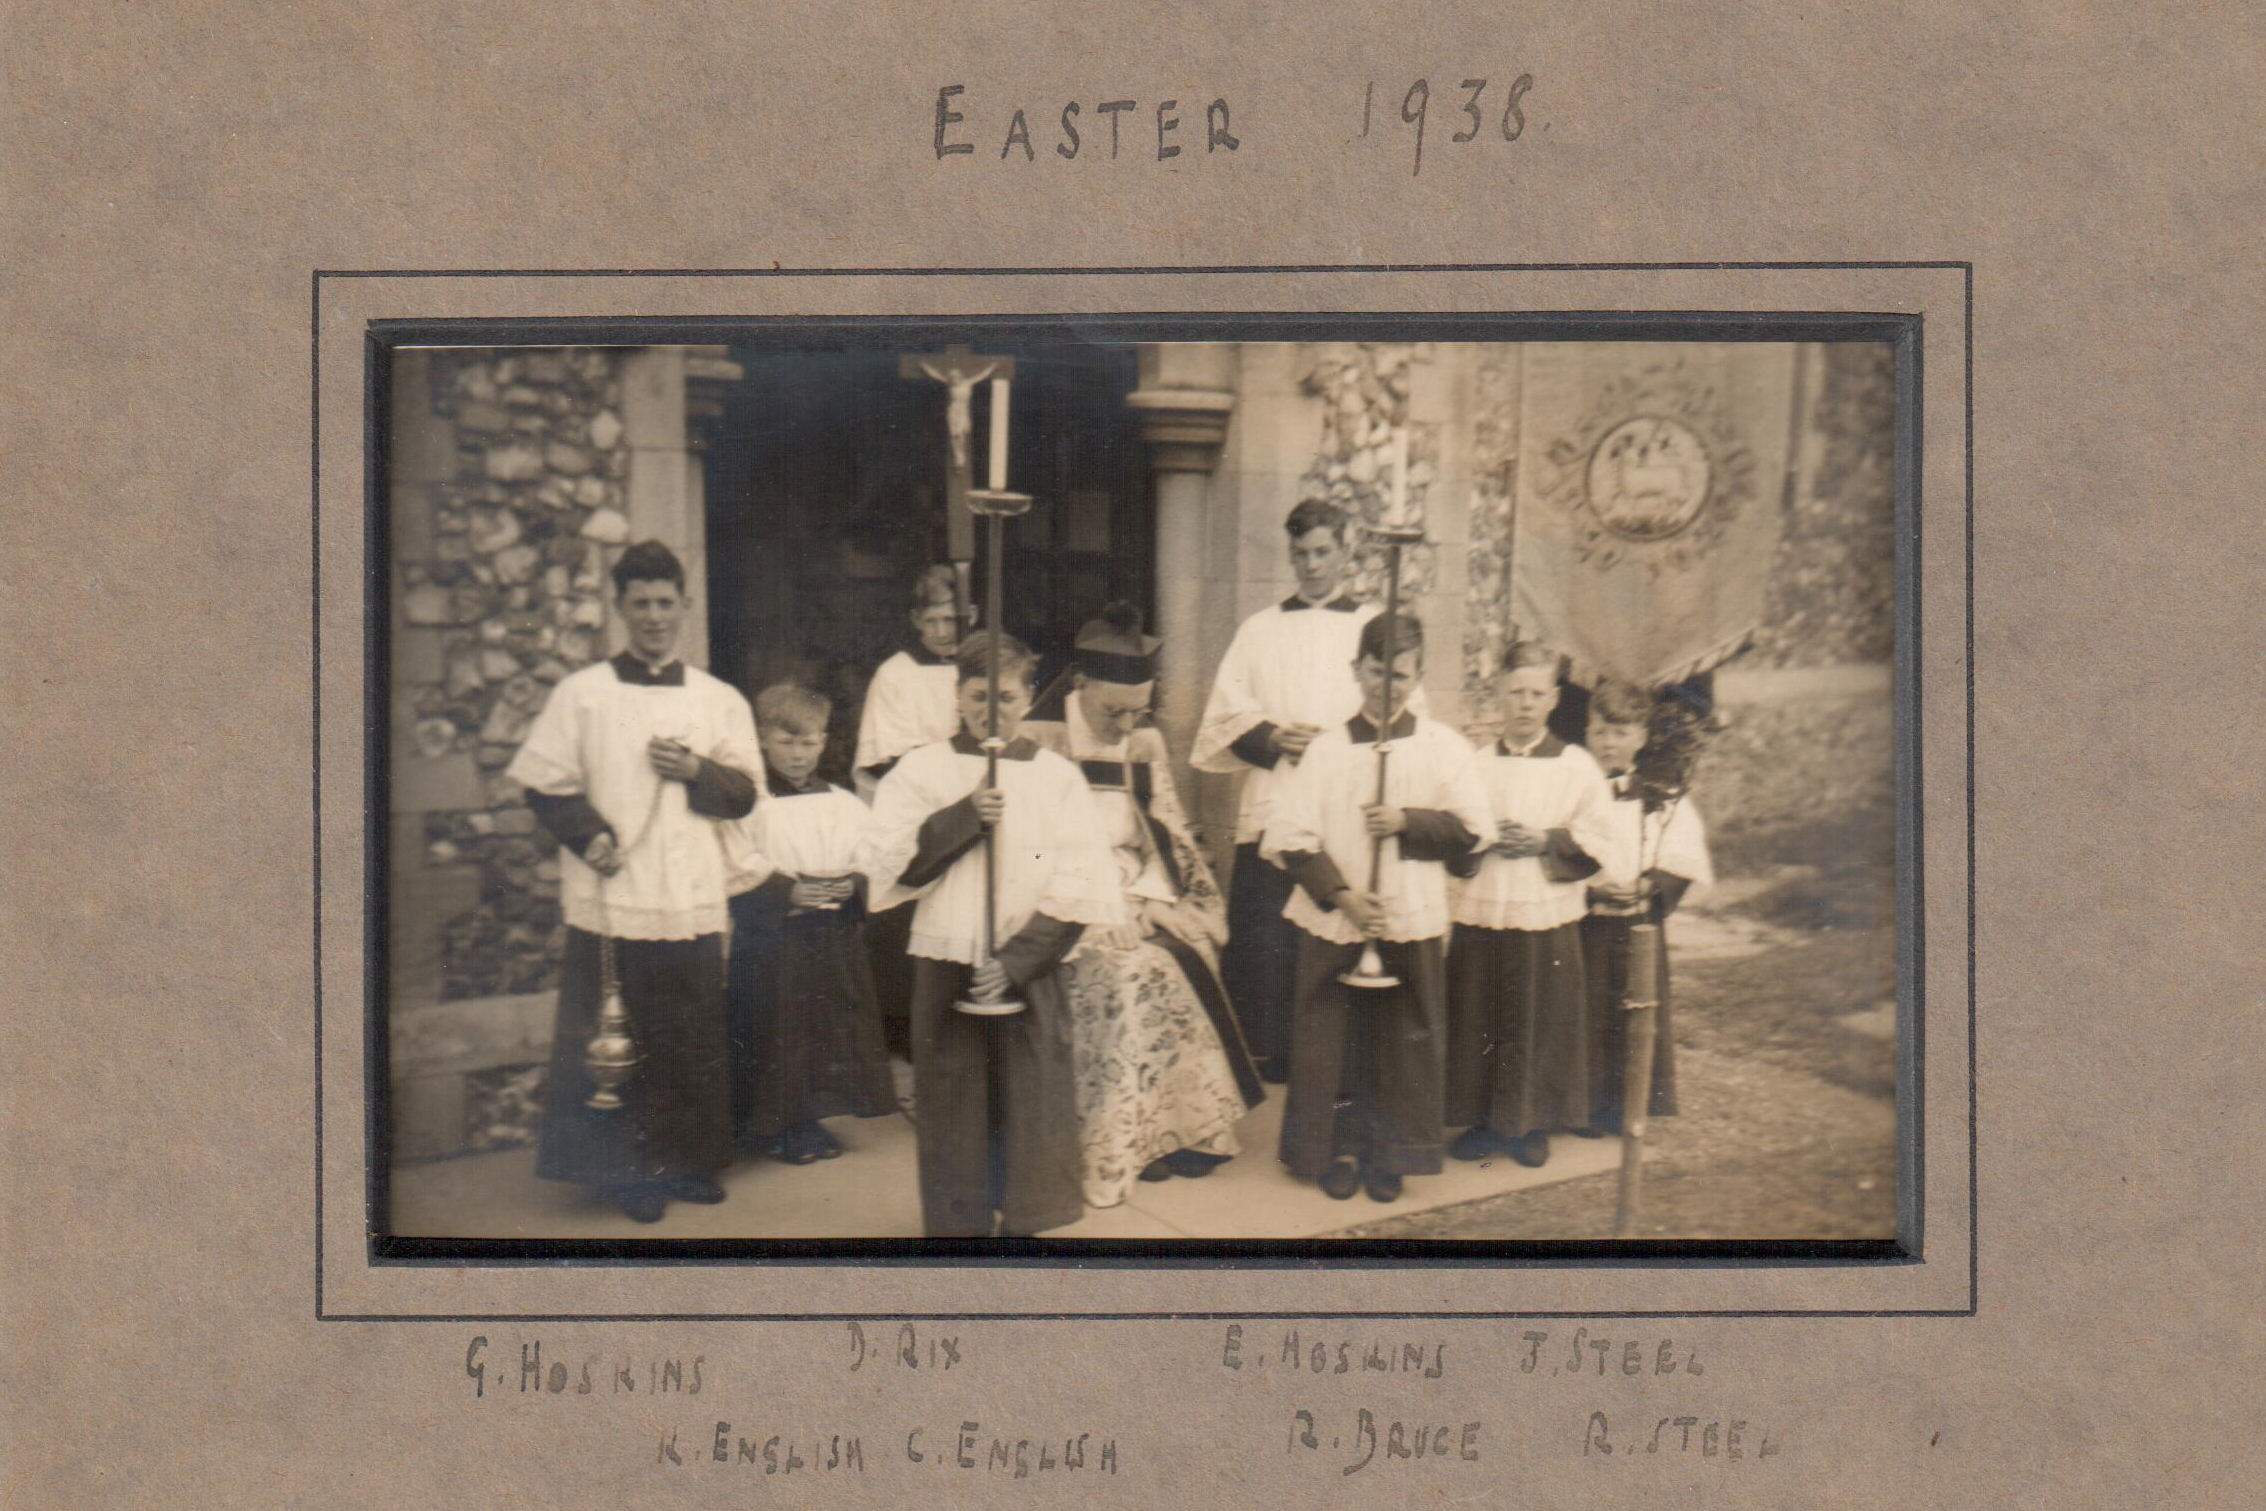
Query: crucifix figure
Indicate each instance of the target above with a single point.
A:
(959, 370)
(959, 410)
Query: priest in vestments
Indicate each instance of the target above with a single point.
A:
(633, 766)
(1163, 1075)
(995, 1101)
(1287, 676)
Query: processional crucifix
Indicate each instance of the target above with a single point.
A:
(960, 370)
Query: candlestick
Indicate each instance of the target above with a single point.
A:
(998, 481)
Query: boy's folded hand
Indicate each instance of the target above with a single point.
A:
(672, 759)
(602, 856)
(991, 805)
(1517, 841)
(1384, 820)
(1293, 738)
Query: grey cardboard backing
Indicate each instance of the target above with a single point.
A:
(206, 213)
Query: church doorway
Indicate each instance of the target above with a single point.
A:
(825, 483)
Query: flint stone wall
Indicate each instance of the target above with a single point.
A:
(502, 588)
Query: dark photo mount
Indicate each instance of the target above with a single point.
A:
(1105, 338)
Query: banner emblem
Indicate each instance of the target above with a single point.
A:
(1648, 478)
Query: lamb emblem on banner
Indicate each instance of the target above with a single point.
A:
(1653, 472)
(1648, 478)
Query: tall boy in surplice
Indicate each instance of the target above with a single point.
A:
(995, 1101)
(632, 766)
(1367, 1067)
(1286, 677)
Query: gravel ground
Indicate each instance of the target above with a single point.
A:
(1787, 1125)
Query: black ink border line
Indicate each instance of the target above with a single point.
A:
(1964, 267)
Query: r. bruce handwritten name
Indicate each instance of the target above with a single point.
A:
(1359, 1441)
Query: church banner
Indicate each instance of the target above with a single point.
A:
(1650, 484)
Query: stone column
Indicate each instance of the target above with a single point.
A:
(1186, 395)
(664, 501)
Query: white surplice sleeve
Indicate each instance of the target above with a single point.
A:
(735, 744)
(1683, 845)
(1463, 788)
(1233, 710)
(891, 725)
(1592, 824)
(917, 786)
(549, 760)
(1294, 824)
(1083, 886)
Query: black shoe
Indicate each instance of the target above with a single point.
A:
(822, 1144)
(1192, 1164)
(638, 1203)
(704, 1189)
(1157, 1169)
(1590, 1132)
(1476, 1143)
(1342, 1179)
(793, 1148)
(1531, 1149)
(1384, 1185)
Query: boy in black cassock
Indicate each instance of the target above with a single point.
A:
(1665, 848)
(1367, 1067)
(995, 1097)
(1518, 1034)
(803, 1022)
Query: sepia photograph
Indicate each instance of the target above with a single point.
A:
(882, 784)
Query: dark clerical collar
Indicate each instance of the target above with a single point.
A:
(635, 672)
(1544, 748)
(780, 786)
(1338, 605)
(923, 656)
(1362, 732)
(1018, 749)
